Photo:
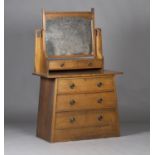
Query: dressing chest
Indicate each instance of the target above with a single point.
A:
(77, 105)
(78, 98)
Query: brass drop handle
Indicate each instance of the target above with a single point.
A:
(72, 86)
(99, 84)
(100, 100)
(100, 118)
(72, 119)
(72, 102)
(62, 64)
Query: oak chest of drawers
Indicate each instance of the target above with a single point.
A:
(78, 105)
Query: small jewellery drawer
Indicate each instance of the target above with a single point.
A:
(66, 120)
(71, 102)
(76, 64)
(79, 85)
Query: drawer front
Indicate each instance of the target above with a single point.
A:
(71, 102)
(67, 120)
(74, 64)
(86, 133)
(80, 85)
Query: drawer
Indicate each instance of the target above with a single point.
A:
(74, 64)
(71, 102)
(81, 85)
(82, 119)
(86, 133)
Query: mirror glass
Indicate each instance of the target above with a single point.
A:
(68, 36)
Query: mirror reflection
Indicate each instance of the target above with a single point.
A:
(68, 36)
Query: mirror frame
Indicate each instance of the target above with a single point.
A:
(50, 15)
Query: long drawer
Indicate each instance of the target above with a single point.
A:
(86, 133)
(81, 85)
(65, 120)
(71, 102)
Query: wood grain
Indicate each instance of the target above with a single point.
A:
(65, 120)
(73, 102)
(40, 64)
(45, 109)
(80, 73)
(82, 85)
(99, 44)
(74, 64)
(85, 133)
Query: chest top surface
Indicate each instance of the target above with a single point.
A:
(86, 73)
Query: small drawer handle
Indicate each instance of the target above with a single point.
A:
(100, 118)
(90, 64)
(72, 102)
(100, 84)
(62, 65)
(72, 86)
(100, 100)
(72, 119)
